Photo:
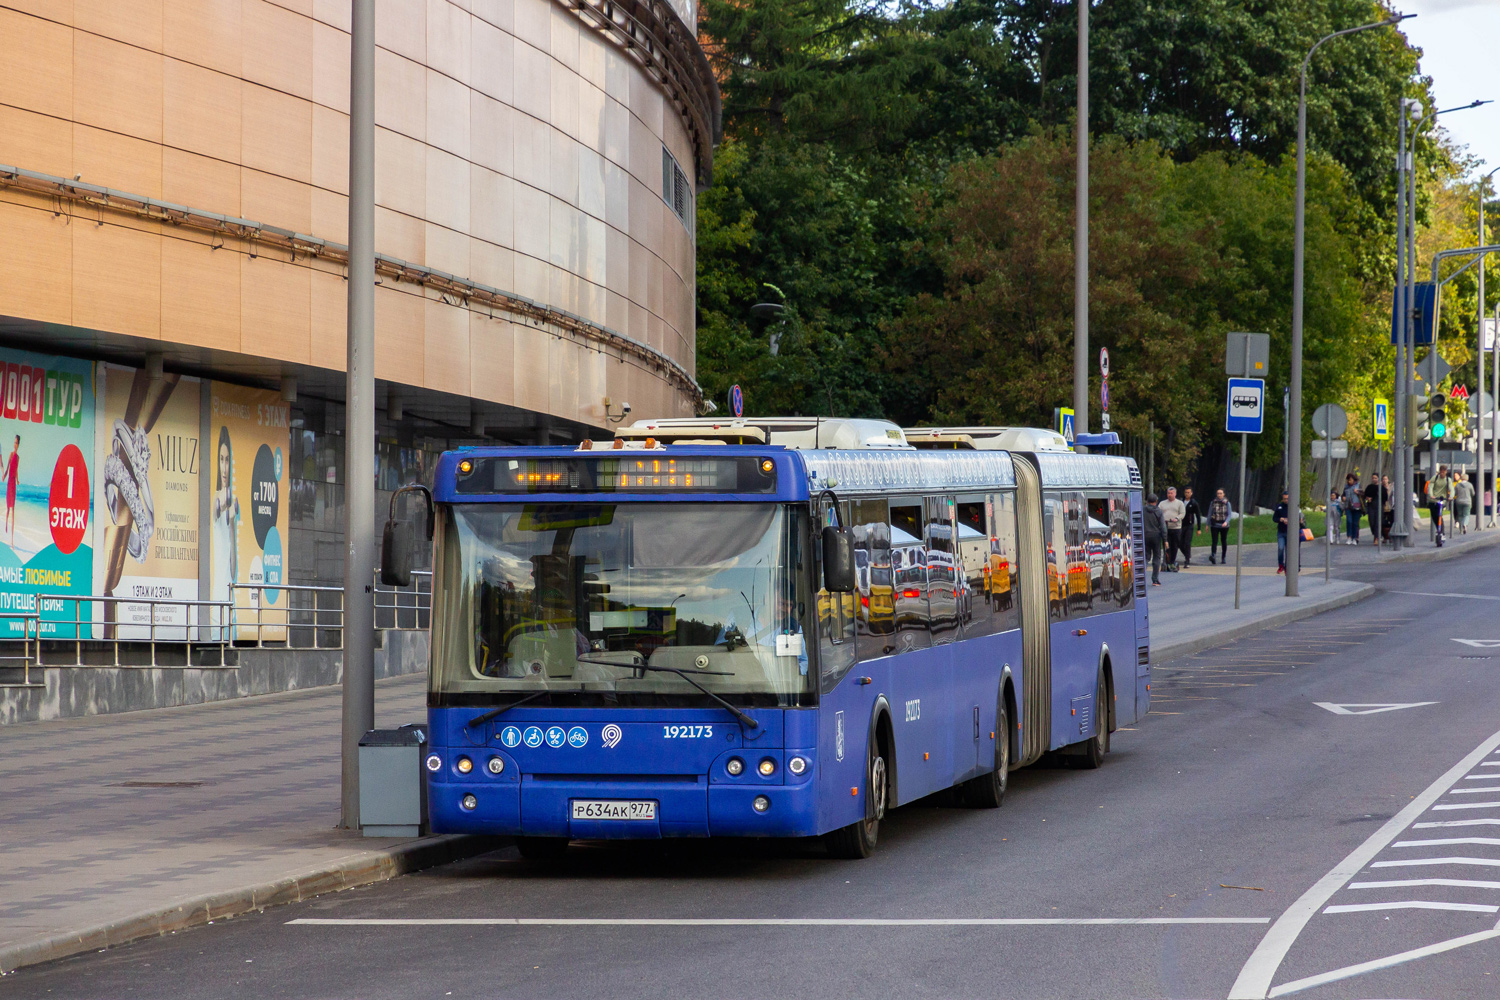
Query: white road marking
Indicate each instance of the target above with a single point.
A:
(1477, 597)
(1481, 790)
(1385, 963)
(1369, 708)
(1491, 763)
(1462, 883)
(1412, 904)
(1407, 862)
(769, 921)
(1254, 980)
(1445, 841)
(1468, 805)
(1456, 822)
(1482, 777)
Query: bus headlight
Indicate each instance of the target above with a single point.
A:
(797, 765)
(469, 803)
(761, 804)
(465, 765)
(496, 765)
(434, 762)
(767, 768)
(735, 766)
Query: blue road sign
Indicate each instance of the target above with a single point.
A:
(1425, 310)
(1065, 422)
(1246, 410)
(1382, 419)
(736, 401)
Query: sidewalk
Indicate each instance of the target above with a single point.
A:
(1194, 609)
(1365, 554)
(119, 827)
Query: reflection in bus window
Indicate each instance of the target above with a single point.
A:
(836, 623)
(876, 613)
(1122, 558)
(1055, 538)
(972, 558)
(944, 603)
(1099, 553)
(1003, 581)
(1080, 597)
(909, 575)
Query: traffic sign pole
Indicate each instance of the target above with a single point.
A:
(1244, 411)
(1239, 541)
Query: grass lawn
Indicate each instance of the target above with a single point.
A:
(1259, 528)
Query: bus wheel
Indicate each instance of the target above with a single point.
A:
(988, 790)
(1097, 745)
(857, 840)
(542, 848)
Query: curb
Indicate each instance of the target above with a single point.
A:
(1186, 647)
(1444, 554)
(363, 868)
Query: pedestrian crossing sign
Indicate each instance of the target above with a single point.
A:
(1382, 420)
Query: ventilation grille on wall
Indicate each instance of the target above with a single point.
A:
(675, 190)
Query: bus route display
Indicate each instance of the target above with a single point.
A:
(634, 473)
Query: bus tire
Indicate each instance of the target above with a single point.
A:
(1096, 746)
(542, 848)
(857, 840)
(988, 790)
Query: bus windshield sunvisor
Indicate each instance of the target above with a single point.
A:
(580, 597)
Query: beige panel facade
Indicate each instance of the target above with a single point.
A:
(516, 146)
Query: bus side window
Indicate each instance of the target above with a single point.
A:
(909, 566)
(1003, 576)
(1101, 564)
(1055, 541)
(875, 613)
(836, 618)
(944, 604)
(1123, 549)
(972, 558)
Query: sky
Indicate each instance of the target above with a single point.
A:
(1460, 42)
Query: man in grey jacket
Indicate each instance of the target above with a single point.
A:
(1173, 511)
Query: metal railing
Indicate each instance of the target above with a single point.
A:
(144, 632)
(405, 609)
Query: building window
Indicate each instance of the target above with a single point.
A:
(675, 190)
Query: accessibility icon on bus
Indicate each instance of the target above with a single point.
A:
(556, 737)
(533, 737)
(578, 737)
(510, 736)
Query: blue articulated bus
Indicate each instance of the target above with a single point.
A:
(729, 636)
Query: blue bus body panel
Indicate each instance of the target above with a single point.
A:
(554, 756)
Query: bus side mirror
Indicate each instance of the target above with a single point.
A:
(396, 554)
(838, 560)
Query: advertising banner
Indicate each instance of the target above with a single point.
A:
(249, 435)
(46, 457)
(146, 496)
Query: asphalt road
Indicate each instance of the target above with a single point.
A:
(1284, 839)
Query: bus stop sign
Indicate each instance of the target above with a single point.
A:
(1246, 410)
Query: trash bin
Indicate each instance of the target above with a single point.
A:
(392, 788)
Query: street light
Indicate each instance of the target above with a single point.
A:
(772, 310)
(1494, 384)
(1294, 471)
(1406, 245)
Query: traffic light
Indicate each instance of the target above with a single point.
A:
(1437, 415)
(1416, 420)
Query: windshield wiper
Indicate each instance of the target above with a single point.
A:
(747, 720)
(592, 658)
(480, 720)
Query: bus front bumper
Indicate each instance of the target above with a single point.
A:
(544, 808)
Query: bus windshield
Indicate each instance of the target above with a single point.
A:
(601, 603)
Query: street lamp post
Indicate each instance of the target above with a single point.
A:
(1081, 235)
(1479, 366)
(1294, 449)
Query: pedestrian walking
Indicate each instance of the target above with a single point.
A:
(1372, 500)
(1439, 490)
(1463, 501)
(1218, 526)
(1354, 507)
(1172, 512)
(1192, 523)
(1282, 517)
(1388, 509)
(1154, 530)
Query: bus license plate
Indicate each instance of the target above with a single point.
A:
(614, 809)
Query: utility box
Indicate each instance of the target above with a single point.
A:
(392, 787)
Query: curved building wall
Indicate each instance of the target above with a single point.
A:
(517, 147)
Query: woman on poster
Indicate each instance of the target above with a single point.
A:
(225, 529)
